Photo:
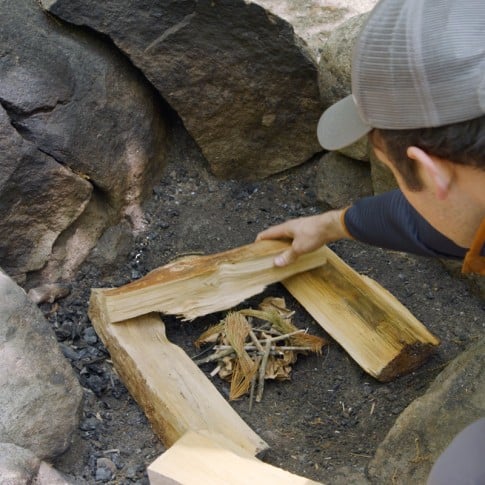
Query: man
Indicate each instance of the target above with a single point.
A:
(418, 92)
(418, 89)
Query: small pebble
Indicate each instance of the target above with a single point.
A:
(50, 292)
(105, 469)
(68, 352)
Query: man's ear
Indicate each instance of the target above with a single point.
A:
(433, 169)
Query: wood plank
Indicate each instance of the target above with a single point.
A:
(212, 462)
(199, 285)
(174, 393)
(377, 331)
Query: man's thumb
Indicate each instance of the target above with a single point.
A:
(285, 258)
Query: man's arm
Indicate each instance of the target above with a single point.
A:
(386, 220)
(306, 234)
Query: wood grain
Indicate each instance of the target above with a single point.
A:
(213, 461)
(377, 331)
(174, 393)
(200, 285)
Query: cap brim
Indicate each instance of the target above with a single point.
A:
(341, 125)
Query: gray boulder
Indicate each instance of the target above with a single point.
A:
(314, 20)
(41, 397)
(360, 150)
(383, 179)
(48, 475)
(427, 426)
(342, 180)
(80, 131)
(40, 199)
(335, 69)
(18, 466)
(243, 83)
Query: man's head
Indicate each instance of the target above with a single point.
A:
(418, 79)
(462, 143)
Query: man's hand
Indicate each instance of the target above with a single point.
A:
(307, 234)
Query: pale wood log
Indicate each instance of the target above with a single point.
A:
(377, 331)
(205, 459)
(198, 285)
(173, 392)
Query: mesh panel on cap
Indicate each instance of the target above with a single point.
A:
(420, 63)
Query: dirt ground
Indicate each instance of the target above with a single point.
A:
(330, 414)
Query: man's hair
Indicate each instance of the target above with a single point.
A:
(461, 143)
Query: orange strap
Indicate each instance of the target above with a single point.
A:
(474, 262)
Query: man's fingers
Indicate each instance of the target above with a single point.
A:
(275, 232)
(267, 234)
(281, 231)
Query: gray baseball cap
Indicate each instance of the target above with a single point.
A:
(416, 64)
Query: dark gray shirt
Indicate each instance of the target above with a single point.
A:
(390, 221)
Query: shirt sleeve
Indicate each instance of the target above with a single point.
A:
(390, 221)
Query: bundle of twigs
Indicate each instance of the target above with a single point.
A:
(251, 345)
